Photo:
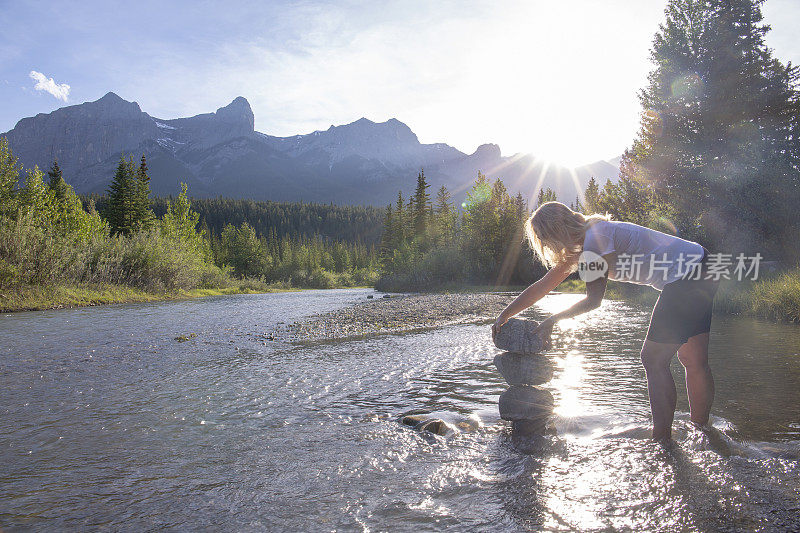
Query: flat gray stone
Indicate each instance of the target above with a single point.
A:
(525, 402)
(522, 369)
(517, 336)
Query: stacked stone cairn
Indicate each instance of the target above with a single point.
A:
(526, 405)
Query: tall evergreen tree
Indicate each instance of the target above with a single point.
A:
(421, 208)
(445, 214)
(718, 143)
(143, 214)
(400, 220)
(120, 208)
(56, 182)
(388, 240)
(591, 196)
(546, 195)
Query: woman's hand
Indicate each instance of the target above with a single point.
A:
(545, 328)
(498, 324)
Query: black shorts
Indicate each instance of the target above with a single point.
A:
(683, 310)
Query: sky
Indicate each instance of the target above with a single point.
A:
(555, 79)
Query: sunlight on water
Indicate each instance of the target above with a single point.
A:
(569, 384)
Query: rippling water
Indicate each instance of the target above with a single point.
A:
(107, 421)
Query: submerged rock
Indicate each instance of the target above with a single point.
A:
(528, 436)
(426, 422)
(521, 369)
(525, 402)
(435, 426)
(414, 420)
(517, 336)
(440, 422)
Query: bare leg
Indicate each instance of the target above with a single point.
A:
(699, 382)
(656, 357)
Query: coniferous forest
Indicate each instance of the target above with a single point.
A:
(58, 248)
(716, 160)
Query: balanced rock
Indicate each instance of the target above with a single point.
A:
(521, 369)
(517, 335)
(524, 402)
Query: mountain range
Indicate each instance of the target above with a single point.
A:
(220, 153)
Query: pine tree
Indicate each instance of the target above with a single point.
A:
(388, 240)
(718, 143)
(119, 210)
(520, 207)
(128, 207)
(444, 214)
(545, 195)
(400, 220)
(56, 182)
(591, 197)
(421, 209)
(143, 214)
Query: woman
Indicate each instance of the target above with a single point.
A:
(681, 318)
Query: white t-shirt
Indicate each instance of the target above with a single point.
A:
(644, 256)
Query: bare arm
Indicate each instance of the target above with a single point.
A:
(533, 294)
(595, 290)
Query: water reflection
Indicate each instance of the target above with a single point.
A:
(527, 406)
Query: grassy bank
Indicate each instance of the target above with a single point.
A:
(37, 297)
(776, 297)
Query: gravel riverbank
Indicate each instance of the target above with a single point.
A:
(393, 315)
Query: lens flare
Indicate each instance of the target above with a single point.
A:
(687, 86)
(651, 121)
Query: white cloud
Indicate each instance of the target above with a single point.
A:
(60, 91)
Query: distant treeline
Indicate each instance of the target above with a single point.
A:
(277, 220)
(429, 244)
(53, 242)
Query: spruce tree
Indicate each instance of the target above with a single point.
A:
(400, 220)
(591, 197)
(119, 209)
(387, 245)
(545, 195)
(143, 214)
(718, 144)
(421, 209)
(56, 182)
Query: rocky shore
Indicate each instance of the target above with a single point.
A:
(394, 315)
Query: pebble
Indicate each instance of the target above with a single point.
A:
(396, 314)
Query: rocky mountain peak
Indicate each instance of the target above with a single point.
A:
(237, 112)
(112, 105)
(220, 153)
(488, 151)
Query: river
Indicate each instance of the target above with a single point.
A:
(107, 421)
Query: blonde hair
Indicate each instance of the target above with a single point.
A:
(556, 233)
